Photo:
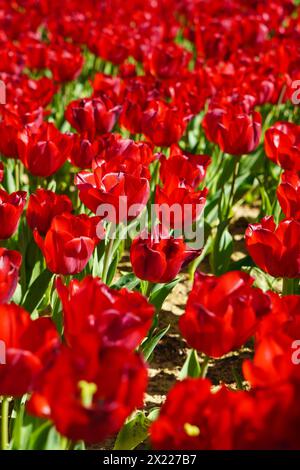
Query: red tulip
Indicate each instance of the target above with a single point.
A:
(179, 206)
(29, 345)
(43, 206)
(234, 131)
(186, 167)
(1, 172)
(92, 116)
(288, 194)
(10, 262)
(275, 250)
(65, 61)
(168, 60)
(222, 313)
(162, 124)
(120, 318)
(11, 208)
(83, 152)
(159, 259)
(282, 145)
(98, 390)
(226, 419)
(105, 188)
(43, 152)
(70, 242)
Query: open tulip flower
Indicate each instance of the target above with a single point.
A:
(275, 249)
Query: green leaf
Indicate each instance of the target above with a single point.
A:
(129, 280)
(133, 433)
(150, 344)
(37, 291)
(161, 292)
(222, 250)
(191, 367)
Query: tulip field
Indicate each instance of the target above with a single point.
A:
(149, 225)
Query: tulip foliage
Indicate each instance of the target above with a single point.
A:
(146, 145)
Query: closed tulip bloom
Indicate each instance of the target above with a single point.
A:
(275, 250)
(83, 152)
(288, 195)
(29, 346)
(162, 124)
(11, 208)
(222, 313)
(65, 61)
(235, 132)
(70, 242)
(159, 259)
(44, 152)
(10, 262)
(92, 117)
(282, 145)
(121, 318)
(43, 206)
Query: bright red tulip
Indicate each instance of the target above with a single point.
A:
(234, 131)
(43, 206)
(65, 61)
(10, 262)
(70, 242)
(120, 318)
(83, 152)
(43, 152)
(282, 145)
(288, 194)
(222, 313)
(29, 346)
(11, 208)
(275, 250)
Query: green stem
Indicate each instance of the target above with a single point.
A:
(4, 423)
(288, 286)
(204, 367)
(107, 259)
(232, 189)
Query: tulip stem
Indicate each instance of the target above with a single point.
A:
(204, 367)
(107, 258)
(288, 286)
(231, 194)
(4, 423)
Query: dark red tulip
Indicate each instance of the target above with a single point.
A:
(92, 116)
(43, 152)
(11, 208)
(167, 60)
(222, 313)
(282, 145)
(43, 206)
(234, 131)
(29, 345)
(70, 242)
(83, 152)
(120, 318)
(288, 194)
(159, 259)
(275, 250)
(10, 262)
